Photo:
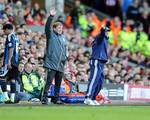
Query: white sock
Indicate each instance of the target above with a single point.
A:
(6, 95)
(12, 97)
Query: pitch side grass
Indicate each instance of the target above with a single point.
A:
(74, 113)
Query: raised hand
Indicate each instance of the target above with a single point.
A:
(52, 12)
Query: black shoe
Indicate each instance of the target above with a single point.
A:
(58, 102)
(44, 101)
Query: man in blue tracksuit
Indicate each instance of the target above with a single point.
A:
(98, 59)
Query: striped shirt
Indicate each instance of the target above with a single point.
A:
(12, 41)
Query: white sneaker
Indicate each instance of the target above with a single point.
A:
(6, 99)
(96, 102)
(12, 97)
(88, 101)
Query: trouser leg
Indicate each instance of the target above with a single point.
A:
(98, 88)
(58, 80)
(100, 81)
(13, 86)
(94, 78)
(3, 85)
(50, 77)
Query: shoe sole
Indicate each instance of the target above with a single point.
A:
(89, 104)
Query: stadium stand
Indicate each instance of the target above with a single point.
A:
(129, 42)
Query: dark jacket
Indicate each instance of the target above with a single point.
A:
(133, 13)
(56, 48)
(99, 48)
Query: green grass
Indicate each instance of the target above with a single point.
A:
(75, 113)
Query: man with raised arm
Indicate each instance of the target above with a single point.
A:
(98, 59)
(55, 57)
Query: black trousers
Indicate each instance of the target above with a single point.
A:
(12, 73)
(52, 74)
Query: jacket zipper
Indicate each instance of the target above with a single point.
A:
(59, 57)
(59, 61)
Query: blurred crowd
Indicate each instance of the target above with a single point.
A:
(122, 72)
(129, 43)
(20, 13)
(123, 67)
(125, 9)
